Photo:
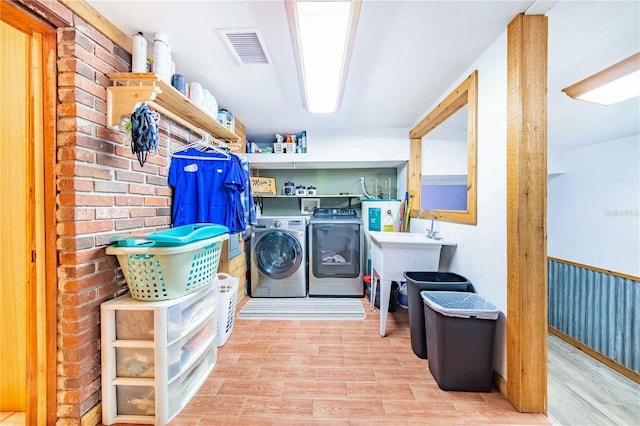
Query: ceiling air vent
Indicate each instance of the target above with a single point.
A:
(246, 45)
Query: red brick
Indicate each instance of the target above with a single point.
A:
(92, 34)
(80, 382)
(67, 124)
(90, 86)
(108, 134)
(82, 256)
(156, 221)
(75, 355)
(80, 228)
(69, 64)
(94, 200)
(129, 176)
(75, 153)
(69, 214)
(66, 138)
(157, 180)
(163, 211)
(113, 161)
(123, 200)
(110, 61)
(92, 171)
(129, 224)
(63, 411)
(156, 201)
(111, 213)
(91, 115)
(109, 186)
(75, 271)
(164, 191)
(77, 299)
(96, 144)
(72, 243)
(73, 185)
(93, 60)
(71, 369)
(141, 189)
(108, 263)
(142, 212)
(147, 168)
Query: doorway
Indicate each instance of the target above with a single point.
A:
(27, 208)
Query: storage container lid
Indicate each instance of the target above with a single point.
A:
(459, 304)
(186, 234)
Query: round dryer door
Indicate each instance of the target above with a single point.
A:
(278, 254)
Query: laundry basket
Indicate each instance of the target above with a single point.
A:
(156, 271)
(226, 305)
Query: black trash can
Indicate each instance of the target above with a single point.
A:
(460, 329)
(421, 281)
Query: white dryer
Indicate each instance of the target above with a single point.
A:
(279, 257)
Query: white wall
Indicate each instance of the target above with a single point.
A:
(594, 207)
(481, 253)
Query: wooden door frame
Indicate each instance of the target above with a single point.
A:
(42, 300)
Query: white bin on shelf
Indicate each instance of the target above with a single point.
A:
(226, 302)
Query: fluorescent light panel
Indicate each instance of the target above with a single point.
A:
(617, 83)
(324, 33)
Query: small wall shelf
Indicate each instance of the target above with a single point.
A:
(132, 89)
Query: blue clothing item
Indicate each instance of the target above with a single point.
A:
(207, 188)
(247, 196)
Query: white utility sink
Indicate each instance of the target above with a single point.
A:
(393, 254)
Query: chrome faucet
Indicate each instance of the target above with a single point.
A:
(430, 233)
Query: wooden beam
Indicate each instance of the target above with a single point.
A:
(414, 166)
(526, 213)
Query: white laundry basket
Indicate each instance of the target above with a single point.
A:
(226, 305)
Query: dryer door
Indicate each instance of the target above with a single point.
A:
(278, 254)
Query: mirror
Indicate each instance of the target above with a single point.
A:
(446, 138)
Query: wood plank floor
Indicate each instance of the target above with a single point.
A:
(584, 391)
(334, 373)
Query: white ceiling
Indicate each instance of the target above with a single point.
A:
(406, 54)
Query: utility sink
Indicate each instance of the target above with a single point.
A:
(394, 253)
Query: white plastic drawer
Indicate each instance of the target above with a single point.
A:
(135, 362)
(135, 400)
(185, 315)
(134, 325)
(182, 389)
(193, 343)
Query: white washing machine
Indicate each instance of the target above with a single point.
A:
(279, 257)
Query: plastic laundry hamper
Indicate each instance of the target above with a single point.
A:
(172, 263)
(226, 305)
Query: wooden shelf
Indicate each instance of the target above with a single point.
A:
(132, 89)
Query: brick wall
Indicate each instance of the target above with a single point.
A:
(102, 191)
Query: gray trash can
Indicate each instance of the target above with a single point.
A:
(421, 281)
(460, 329)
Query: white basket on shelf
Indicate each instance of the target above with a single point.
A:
(226, 305)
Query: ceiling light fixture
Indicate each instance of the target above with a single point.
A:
(322, 34)
(617, 83)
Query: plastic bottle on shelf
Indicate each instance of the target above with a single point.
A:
(139, 54)
(162, 57)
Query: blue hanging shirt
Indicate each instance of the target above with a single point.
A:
(207, 190)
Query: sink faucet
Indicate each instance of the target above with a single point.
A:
(430, 233)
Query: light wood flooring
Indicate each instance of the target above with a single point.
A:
(334, 373)
(584, 391)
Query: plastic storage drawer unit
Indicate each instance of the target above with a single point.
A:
(427, 281)
(460, 329)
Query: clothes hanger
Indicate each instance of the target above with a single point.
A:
(205, 144)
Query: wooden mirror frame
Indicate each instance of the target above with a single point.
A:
(465, 94)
